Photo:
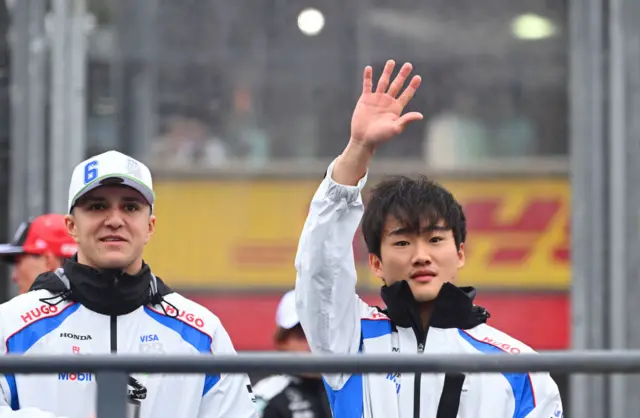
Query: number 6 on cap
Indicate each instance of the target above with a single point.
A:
(90, 171)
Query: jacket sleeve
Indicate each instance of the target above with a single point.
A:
(328, 307)
(547, 402)
(7, 412)
(9, 398)
(226, 395)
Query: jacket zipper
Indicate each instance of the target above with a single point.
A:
(114, 333)
(418, 378)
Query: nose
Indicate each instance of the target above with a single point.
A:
(422, 254)
(114, 219)
(14, 274)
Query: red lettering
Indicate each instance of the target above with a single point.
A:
(199, 323)
(38, 312)
(510, 255)
(503, 346)
(73, 376)
(170, 310)
(26, 318)
(181, 315)
(482, 216)
(562, 253)
(535, 217)
(190, 317)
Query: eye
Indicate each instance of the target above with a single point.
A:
(401, 243)
(436, 239)
(131, 207)
(96, 206)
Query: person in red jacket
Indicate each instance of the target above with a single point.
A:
(39, 246)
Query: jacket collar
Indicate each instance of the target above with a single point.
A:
(454, 307)
(107, 291)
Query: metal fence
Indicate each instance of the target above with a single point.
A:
(111, 370)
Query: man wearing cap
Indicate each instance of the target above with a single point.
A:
(105, 299)
(38, 246)
(285, 396)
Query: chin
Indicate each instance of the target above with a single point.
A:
(424, 297)
(426, 292)
(114, 262)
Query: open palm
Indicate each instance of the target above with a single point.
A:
(378, 114)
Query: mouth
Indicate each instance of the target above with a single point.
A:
(423, 276)
(112, 238)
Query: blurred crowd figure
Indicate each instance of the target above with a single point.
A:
(468, 128)
(470, 131)
(38, 246)
(188, 138)
(288, 396)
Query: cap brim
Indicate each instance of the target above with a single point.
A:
(8, 252)
(123, 180)
(289, 324)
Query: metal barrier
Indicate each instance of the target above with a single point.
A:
(111, 370)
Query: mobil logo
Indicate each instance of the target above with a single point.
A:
(186, 317)
(75, 377)
(39, 312)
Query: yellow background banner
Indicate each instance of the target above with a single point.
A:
(244, 233)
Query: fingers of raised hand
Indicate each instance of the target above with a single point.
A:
(383, 83)
(408, 118)
(410, 91)
(367, 80)
(400, 79)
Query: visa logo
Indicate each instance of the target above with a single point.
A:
(149, 338)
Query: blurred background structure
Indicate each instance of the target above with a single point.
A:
(239, 105)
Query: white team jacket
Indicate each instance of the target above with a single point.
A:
(336, 320)
(29, 326)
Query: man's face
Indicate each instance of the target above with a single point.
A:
(111, 225)
(25, 270)
(426, 260)
(294, 342)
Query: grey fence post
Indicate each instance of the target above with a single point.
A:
(112, 392)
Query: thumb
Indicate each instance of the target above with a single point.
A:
(409, 118)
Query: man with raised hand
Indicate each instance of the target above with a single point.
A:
(415, 233)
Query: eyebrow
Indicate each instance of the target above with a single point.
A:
(98, 199)
(405, 230)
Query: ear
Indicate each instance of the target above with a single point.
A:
(51, 261)
(152, 228)
(70, 222)
(375, 265)
(461, 256)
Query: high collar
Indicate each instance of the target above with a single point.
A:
(108, 291)
(453, 308)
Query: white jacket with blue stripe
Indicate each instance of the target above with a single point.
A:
(29, 326)
(336, 320)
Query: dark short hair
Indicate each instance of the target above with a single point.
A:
(411, 201)
(283, 334)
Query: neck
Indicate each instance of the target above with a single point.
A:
(426, 310)
(132, 269)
